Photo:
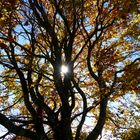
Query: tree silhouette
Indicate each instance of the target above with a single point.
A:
(65, 61)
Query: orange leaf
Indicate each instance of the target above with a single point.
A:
(3, 46)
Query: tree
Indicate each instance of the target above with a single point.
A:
(96, 42)
(132, 134)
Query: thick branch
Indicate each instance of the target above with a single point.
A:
(16, 129)
(93, 135)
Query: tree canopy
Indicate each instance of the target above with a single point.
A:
(70, 69)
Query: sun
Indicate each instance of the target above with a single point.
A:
(64, 69)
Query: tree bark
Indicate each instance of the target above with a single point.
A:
(101, 121)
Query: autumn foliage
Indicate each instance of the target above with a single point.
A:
(99, 43)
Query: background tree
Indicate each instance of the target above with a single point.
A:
(98, 43)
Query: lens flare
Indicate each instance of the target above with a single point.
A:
(64, 69)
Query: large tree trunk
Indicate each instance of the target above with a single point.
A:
(63, 132)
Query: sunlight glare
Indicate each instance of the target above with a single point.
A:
(64, 69)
